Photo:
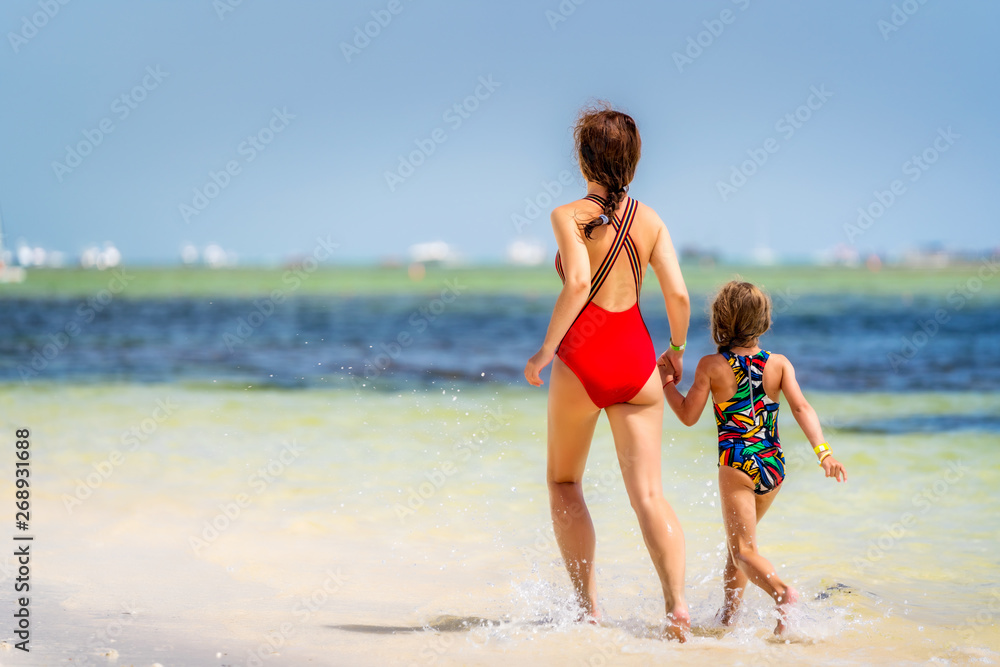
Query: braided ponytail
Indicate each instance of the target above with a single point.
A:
(611, 203)
(608, 147)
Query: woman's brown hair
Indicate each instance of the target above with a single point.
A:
(740, 314)
(608, 147)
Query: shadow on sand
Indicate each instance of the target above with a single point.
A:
(448, 623)
(439, 624)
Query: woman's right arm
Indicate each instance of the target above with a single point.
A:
(574, 294)
(675, 294)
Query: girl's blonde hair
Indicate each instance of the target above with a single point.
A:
(740, 314)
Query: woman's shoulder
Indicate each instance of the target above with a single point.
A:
(574, 209)
(647, 212)
(649, 225)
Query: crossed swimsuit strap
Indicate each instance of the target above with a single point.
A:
(622, 240)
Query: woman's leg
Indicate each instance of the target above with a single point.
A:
(637, 427)
(740, 508)
(571, 421)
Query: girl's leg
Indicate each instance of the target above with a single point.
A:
(637, 427)
(739, 514)
(572, 417)
(734, 582)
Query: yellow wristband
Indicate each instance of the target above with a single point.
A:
(825, 455)
(820, 448)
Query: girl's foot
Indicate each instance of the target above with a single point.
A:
(727, 613)
(791, 598)
(678, 624)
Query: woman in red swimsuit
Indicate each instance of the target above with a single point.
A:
(602, 357)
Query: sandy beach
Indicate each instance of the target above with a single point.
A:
(286, 527)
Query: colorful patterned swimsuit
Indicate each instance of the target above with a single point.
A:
(748, 425)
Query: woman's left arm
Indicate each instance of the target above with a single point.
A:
(572, 298)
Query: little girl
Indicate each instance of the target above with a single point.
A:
(745, 382)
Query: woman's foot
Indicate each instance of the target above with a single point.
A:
(678, 624)
(589, 613)
(785, 603)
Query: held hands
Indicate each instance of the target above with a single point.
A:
(538, 361)
(671, 366)
(666, 370)
(834, 468)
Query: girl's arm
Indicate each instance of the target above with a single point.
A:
(675, 294)
(688, 409)
(807, 419)
(572, 298)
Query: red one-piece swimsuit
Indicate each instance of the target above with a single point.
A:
(610, 351)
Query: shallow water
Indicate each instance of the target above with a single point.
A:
(412, 528)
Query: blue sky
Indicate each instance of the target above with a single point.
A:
(206, 88)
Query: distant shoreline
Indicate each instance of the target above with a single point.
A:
(150, 282)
